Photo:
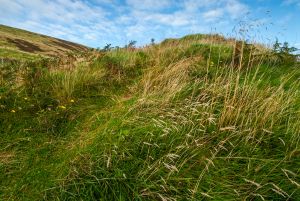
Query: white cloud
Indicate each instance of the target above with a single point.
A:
(69, 19)
(236, 8)
(213, 15)
(175, 19)
(290, 2)
(197, 4)
(9, 7)
(109, 21)
(149, 4)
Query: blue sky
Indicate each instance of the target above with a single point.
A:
(97, 22)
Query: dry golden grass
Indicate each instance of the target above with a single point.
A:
(6, 157)
(166, 81)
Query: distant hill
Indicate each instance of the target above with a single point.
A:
(18, 43)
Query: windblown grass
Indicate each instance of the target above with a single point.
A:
(174, 121)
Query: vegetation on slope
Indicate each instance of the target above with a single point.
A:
(17, 43)
(174, 121)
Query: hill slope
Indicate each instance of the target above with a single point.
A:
(20, 43)
(172, 121)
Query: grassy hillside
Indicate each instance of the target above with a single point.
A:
(178, 120)
(16, 43)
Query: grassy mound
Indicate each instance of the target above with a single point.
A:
(174, 121)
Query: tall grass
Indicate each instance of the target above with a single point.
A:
(176, 121)
(65, 85)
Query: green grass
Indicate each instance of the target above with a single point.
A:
(166, 122)
(15, 54)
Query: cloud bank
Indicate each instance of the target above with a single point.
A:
(97, 22)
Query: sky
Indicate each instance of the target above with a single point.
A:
(96, 23)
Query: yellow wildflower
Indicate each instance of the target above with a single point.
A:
(72, 101)
(62, 107)
(25, 98)
(13, 111)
